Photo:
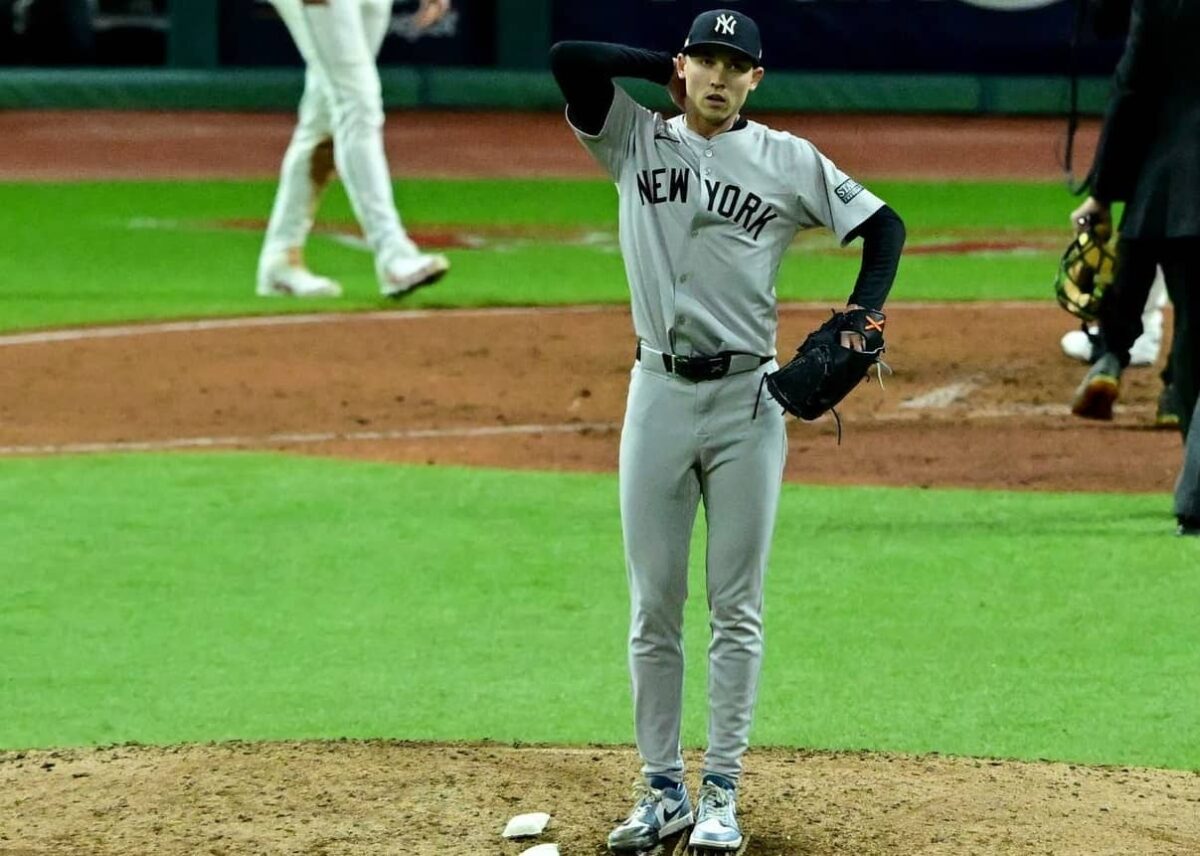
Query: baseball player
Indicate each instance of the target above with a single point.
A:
(709, 202)
(341, 124)
(1086, 345)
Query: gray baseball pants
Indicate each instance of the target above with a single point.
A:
(683, 442)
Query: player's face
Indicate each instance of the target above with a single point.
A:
(718, 81)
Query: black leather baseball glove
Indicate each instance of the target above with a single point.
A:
(824, 371)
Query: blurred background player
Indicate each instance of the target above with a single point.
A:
(1147, 157)
(1087, 344)
(341, 127)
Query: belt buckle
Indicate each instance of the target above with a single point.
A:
(678, 366)
(698, 369)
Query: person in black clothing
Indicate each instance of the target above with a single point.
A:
(1109, 19)
(1149, 158)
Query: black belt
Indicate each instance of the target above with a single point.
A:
(698, 368)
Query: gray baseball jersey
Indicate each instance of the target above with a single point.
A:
(704, 223)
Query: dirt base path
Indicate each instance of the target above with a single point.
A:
(545, 389)
(359, 798)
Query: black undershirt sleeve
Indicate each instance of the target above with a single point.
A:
(585, 71)
(883, 238)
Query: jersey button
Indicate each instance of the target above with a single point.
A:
(683, 278)
(695, 233)
(708, 153)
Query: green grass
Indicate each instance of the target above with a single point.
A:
(117, 251)
(163, 598)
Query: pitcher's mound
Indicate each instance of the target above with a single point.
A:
(378, 797)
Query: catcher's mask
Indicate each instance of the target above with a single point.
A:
(1086, 270)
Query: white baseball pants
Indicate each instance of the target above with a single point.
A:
(342, 102)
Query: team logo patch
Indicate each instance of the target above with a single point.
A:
(725, 24)
(847, 190)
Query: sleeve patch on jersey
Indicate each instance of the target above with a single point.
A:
(847, 190)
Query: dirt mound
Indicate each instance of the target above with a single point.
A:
(353, 797)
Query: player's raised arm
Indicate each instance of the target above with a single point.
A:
(584, 72)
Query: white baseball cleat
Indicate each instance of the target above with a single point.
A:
(716, 817)
(1145, 350)
(287, 280)
(1078, 345)
(404, 273)
(663, 808)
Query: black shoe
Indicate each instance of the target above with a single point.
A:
(1188, 526)
(1167, 415)
(1101, 385)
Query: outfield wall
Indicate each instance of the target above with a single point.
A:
(1006, 57)
(509, 89)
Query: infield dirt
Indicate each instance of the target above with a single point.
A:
(978, 398)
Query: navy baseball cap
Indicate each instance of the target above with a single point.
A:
(728, 29)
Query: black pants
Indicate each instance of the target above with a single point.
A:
(1185, 351)
(1121, 309)
(1121, 322)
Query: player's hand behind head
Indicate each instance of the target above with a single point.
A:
(677, 86)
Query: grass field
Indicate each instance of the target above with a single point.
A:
(196, 597)
(125, 251)
(214, 597)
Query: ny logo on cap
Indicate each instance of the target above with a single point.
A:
(725, 24)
